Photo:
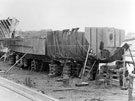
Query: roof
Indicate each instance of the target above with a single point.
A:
(7, 27)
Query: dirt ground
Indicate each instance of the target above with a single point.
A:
(53, 87)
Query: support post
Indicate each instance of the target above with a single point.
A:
(131, 96)
(132, 58)
(124, 70)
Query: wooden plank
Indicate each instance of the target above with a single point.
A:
(73, 38)
(56, 52)
(94, 40)
(59, 37)
(87, 39)
(99, 39)
(62, 39)
(122, 36)
(48, 48)
(49, 43)
(77, 48)
(65, 44)
(53, 48)
(71, 43)
(108, 38)
(68, 44)
(75, 45)
(117, 38)
(80, 50)
(60, 42)
(87, 34)
(82, 43)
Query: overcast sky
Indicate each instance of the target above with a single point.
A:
(63, 14)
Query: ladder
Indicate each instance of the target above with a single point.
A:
(89, 51)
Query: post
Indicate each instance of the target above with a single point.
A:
(124, 70)
(66, 74)
(132, 58)
(131, 96)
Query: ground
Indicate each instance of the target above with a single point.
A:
(53, 87)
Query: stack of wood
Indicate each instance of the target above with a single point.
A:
(66, 74)
(104, 76)
(75, 70)
(53, 70)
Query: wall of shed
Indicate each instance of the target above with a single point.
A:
(111, 38)
(57, 44)
(23, 45)
(63, 45)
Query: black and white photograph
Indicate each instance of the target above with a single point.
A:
(67, 50)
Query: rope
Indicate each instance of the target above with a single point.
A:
(58, 47)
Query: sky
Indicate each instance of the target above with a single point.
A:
(68, 14)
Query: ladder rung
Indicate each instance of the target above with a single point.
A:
(86, 70)
(87, 66)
